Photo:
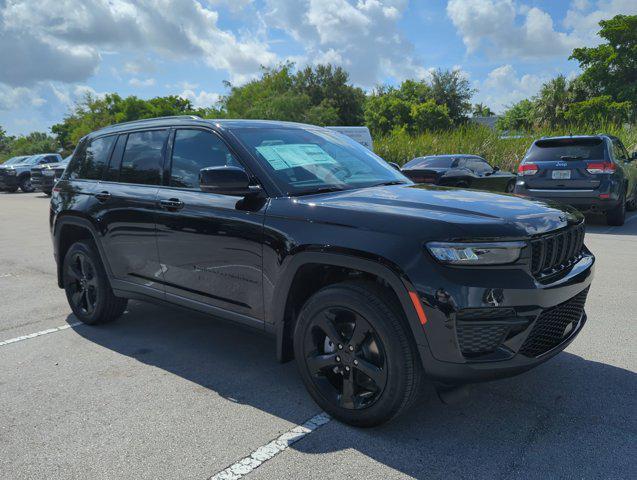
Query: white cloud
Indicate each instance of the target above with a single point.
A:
(62, 39)
(202, 99)
(509, 29)
(141, 83)
(15, 97)
(503, 87)
(362, 36)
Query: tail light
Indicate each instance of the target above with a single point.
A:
(527, 169)
(601, 167)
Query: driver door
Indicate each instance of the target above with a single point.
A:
(210, 245)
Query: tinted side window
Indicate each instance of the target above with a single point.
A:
(194, 150)
(76, 162)
(618, 151)
(479, 166)
(94, 157)
(143, 157)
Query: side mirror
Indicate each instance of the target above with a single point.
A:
(633, 156)
(226, 181)
(496, 169)
(394, 165)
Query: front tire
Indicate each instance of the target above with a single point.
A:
(26, 186)
(355, 354)
(87, 288)
(617, 216)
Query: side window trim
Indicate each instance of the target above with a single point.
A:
(169, 156)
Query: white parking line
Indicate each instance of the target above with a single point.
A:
(270, 450)
(39, 334)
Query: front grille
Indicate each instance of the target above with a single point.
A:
(480, 338)
(36, 173)
(552, 326)
(554, 252)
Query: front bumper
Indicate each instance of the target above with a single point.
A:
(42, 182)
(487, 330)
(8, 181)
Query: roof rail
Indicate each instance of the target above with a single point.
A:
(191, 117)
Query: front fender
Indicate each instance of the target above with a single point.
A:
(398, 282)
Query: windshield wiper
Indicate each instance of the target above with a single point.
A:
(391, 182)
(319, 190)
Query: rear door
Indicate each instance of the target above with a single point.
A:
(210, 245)
(562, 163)
(629, 166)
(128, 199)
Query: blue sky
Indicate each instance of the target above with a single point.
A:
(55, 51)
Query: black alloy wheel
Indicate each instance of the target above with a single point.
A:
(88, 290)
(356, 353)
(82, 283)
(26, 186)
(346, 358)
(510, 187)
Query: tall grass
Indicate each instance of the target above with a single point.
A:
(506, 153)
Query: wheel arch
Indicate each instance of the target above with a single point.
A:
(69, 229)
(282, 314)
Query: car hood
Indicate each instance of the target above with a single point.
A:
(471, 213)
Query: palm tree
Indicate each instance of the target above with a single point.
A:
(553, 101)
(481, 110)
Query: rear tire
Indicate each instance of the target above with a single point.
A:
(87, 288)
(510, 187)
(617, 216)
(12, 189)
(367, 370)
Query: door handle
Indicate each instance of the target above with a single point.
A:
(103, 196)
(171, 204)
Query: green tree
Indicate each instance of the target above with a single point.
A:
(5, 144)
(518, 117)
(451, 88)
(599, 110)
(34, 142)
(481, 110)
(611, 68)
(429, 116)
(553, 101)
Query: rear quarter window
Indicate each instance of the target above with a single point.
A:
(91, 157)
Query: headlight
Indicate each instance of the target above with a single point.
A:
(488, 253)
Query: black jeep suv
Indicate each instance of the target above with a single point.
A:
(370, 282)
(590, 172)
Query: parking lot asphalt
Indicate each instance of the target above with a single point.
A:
(167, 393)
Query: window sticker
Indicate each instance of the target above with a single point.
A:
(281, 157)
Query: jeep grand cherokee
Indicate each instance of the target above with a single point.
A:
(370, 282)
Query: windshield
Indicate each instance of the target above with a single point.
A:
(15, 160)
(309, 160)
(567, 149)
(430, 162)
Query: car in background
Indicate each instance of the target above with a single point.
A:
(17, 174)
(358, 134)
(589, 172)
(463, 171)
(43, 177)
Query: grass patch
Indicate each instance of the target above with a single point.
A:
(506, 153)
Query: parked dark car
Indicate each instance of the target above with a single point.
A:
(464, 171)
(17, 174)
(372, 283)
(43, 177)
(591, 172)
